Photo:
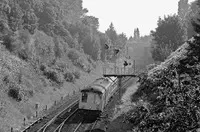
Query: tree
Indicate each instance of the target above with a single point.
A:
(187, 12)
(196, 21)
(183, 8)
(136, 33)
(112, 34)
(91, 21)
(121, 41)
(168, 35)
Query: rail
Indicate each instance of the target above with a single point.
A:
(43, 128)
(59, 128)
(68, 108)
(93, 125)
(79, 125)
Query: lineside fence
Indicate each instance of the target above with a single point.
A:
(45, 111)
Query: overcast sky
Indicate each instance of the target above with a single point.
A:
(129, 14)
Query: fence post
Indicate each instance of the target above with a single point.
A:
(46, 108)
(24, 121)
(36, 108)
(36, 113)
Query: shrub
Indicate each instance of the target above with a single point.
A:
(14, 93)
(69, 77)
(150, 66)
(30, 93)
(8, 42)
(76, 74)
(23, 54)
(24, 36)
(42, 67)
(73, 55)
(54, 76)
(6, 79)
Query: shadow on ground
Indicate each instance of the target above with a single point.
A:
(95, 130)
(86, 115)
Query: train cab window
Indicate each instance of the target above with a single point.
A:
(84, 97)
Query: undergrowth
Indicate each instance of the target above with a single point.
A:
(172, 91)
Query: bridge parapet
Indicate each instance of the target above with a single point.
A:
(118, 71)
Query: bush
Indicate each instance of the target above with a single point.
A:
(8, 42)
(69, 77)
(22, 54)
(73, 55)
(79, 61)
(54, 76)
(14, 93)
(76, 74)
(30, 93)
(42, 67)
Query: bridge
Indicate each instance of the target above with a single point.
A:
(119, 72)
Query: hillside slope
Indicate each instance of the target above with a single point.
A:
(22, 87)
(170, 92)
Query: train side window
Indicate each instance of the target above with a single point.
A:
(84, 97)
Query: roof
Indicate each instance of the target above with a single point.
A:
(99, 85)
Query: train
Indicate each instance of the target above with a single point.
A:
(96, 95)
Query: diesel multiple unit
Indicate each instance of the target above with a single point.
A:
(96, 95)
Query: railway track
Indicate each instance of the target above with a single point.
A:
(77, 122)
(64, 120)
(52, 125)
(40, 124)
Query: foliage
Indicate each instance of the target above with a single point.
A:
(195, 20)
(187, 13)
(79, 60)
(104, 39)
(115, 41)
(112, 34)
(136, 33)
(53, 75)
(183, 8)
(76, 74)
(73, 55)
(69, 77)
(167, 37)
(14, 93)
(173, 106)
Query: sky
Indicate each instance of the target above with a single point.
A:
(126, 15)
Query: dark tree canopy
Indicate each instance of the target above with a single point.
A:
(196, 20)
(167, 37)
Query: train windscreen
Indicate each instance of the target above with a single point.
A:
(84, 97)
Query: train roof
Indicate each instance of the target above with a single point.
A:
(99, 85)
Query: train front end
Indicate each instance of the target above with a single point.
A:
(91, 99)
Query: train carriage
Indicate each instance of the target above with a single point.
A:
(96, 95)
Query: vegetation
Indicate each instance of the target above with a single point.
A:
(69, 77)
(168, 96)
(44, 32)
(187, 14)
(170, 93)
(167, 37)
